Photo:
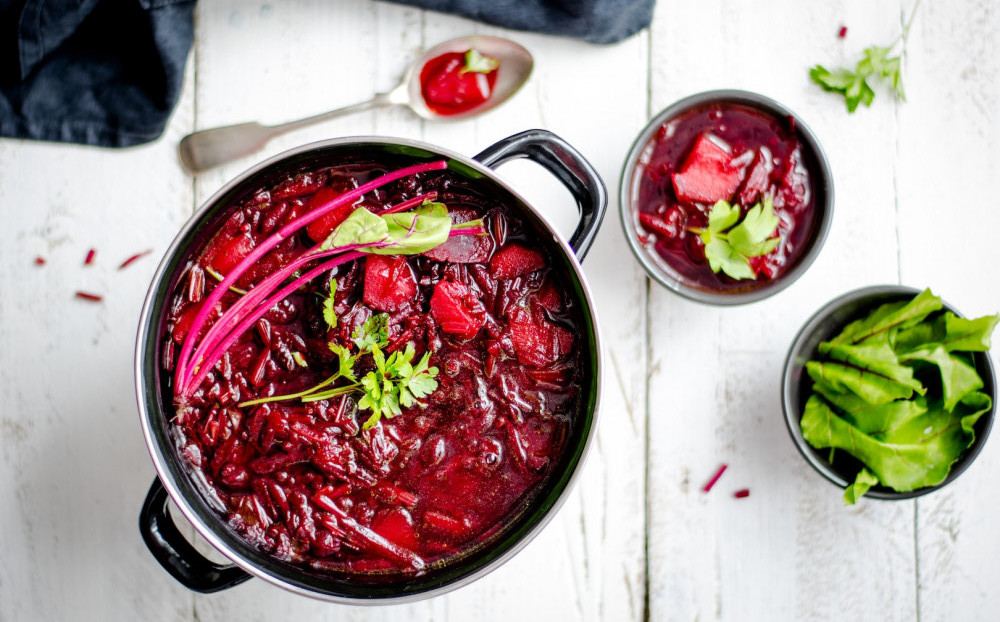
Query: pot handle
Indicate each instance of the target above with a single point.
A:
(176, 554)
(569, 167)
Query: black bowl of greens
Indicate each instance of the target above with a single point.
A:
(888, 392)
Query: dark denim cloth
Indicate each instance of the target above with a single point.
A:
(96, 72)
(109, 72)
(596, 21)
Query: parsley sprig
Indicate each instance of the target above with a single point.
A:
(730, 243)
(394, 383)
(875, 64)
(477, 62)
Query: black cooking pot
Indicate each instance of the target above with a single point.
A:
(175, 481)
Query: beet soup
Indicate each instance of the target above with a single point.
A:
(732, 153)
(481, 331)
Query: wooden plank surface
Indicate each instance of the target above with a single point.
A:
(688, 387)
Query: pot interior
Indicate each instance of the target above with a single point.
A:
(187, 486)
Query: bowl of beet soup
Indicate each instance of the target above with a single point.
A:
(367, 370)
(726, 197)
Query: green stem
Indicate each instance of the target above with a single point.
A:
(291, 396)
(350, 388)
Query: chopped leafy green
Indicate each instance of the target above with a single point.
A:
(373, 333)
(897, 390)
(479, 63)
(329, 315)
(396, 383)
(729, 246)
(862, 484)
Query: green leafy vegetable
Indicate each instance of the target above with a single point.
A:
(479, 63)
(374, 333)
(329, 315)
(729, 246)
(875, 64)
(897, 390)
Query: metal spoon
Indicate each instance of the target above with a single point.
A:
(210, 148)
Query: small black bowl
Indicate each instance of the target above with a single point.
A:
(796, 386)
(815, 161)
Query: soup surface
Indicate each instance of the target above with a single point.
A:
(307, 481)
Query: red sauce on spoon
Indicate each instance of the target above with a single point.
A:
(456, 82)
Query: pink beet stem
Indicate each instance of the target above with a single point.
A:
(405, 205)
(742, 493)
(184, 360)
(249, 321)
(722, 469)
(90, 257)
(89, 296)
(232, 315)
(134, 258)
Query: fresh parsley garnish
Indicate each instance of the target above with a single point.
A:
(394, 383)
(373, 333)
(730, 243)
(479, 63)
(876, 64)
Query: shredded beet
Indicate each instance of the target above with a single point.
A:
(39, 261)
(722, 469)
(90, 257)
(89, 296)
(843, 32)
(742, 493)
(133, 258)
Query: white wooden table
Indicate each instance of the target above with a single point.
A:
(689, 386)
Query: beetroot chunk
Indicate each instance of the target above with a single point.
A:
(513, 261)
(457, 310)
(708, 174)
(757, 179)
(389, 282)
(319, 229)
(537, 341)
(463, 248)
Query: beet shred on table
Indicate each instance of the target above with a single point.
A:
(303, 481)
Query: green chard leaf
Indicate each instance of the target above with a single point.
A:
(898, 390)
(916, 454)
(862, 484)
(361, 227)
(411, 233)
(888, 317)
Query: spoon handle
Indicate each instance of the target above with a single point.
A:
(209, 148)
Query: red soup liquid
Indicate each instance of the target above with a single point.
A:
(303, 481)
(730, 152)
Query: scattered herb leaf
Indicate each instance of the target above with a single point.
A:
(875, 64)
